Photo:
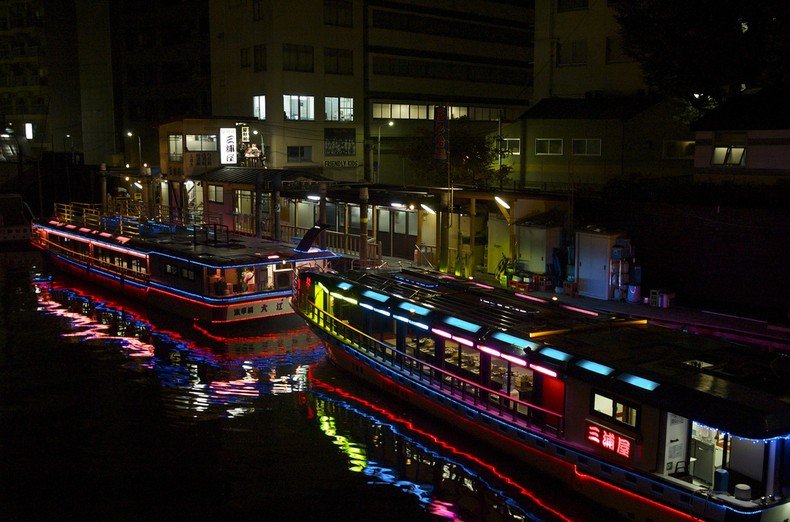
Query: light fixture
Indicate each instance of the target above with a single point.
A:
(138, 185)
(502, 202)
(427, 209)
(313, 197)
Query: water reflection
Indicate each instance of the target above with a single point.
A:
(205, 376)
(235, 379)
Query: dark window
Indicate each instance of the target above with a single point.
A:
(245, 57)
(339, 12)
(259, 56)
(297, 58)
(338, 61)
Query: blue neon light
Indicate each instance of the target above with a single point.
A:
(463, 325)
(512, 339)
(381, 298)
(594, 367)
(639, 382)
(419, 310)
(555, 354)
(345, 286)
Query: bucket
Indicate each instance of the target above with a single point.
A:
(634, 294)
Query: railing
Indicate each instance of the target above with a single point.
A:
(491, 401)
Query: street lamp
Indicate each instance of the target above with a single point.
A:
(378, 150)
(139, 151)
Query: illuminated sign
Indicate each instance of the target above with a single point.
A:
(610, 440)
(227, 142)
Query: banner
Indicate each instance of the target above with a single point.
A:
(441, 140)
(227, 142)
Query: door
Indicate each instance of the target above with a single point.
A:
(592, 271)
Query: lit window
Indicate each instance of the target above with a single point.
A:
(730, 156)
(512, 146)
(615, 410)
(259, 107)
(175, 147)
(298, 107)
(586, 147)
(201, 142)
(339, 109)
(215, 194)
(548, 147)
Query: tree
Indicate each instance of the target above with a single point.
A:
(705, 50)
(471, 157)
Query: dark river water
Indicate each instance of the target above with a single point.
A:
(109, 411)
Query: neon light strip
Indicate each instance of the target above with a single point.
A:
(407, 320)
(369, 307)
(463, 341)
(489, 351)
(512, 339)
(516, 360)
(532, 298)
(441, 333)
(381, 298)
(102, 244)
(555, 354)
(545, 371)
(463, 325)
(345, 286)
(413, 308)
(580, 310)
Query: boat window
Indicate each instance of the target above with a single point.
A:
(170, 269)
(615, 410)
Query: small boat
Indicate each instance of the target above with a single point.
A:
(200, 272)
(654, 423)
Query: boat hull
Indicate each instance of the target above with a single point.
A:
(192, 308)
(534, 450)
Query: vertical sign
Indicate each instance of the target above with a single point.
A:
(245, 134)
(227, 143)
(440, 137)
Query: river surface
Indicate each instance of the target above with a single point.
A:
(110, 411)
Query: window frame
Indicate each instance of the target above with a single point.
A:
(304, 155)
(726, 160)
(612, 416)
(548, 142)
(177, 155)
(216, 193)
(259, 106)
(506, 145)
(340, 109)
(586, 141)
(309, 113)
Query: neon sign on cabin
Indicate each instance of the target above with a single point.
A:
(610, 440)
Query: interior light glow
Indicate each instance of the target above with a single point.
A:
(639, 382)
(594, 367)
(313, 197)
(555, 354)
(415, 309)
(463, 325)
(517, 341)
(381, 298)
(543, 370)
(344, 285)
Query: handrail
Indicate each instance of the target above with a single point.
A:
(506, 405)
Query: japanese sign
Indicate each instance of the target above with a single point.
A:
(610, 440)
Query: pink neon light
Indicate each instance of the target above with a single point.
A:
(609, 440)
(441, 333)
(488, 350)
(481, 285)
(122, 240)
(532, 298)
(463, 341)
(273, 257)
(580, 310)
(545, 371)
(71, 227)
(516, 360)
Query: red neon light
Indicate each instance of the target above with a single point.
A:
(441, 333)
(610, 440)
(532, 298)
(580, 310)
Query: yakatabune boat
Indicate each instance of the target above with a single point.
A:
(200, 272)
(655, 423)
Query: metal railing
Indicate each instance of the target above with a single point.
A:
(502, 405)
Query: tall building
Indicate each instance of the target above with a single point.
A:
(335, 92)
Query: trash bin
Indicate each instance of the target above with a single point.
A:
(721, 478)
(634, 294)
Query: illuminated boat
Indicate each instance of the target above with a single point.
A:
(654, 423)
(201, 272)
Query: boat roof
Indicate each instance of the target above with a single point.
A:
(203, 244)
(740, 389)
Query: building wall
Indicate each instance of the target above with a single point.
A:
(767, 156)
(610, 73)
(412, 52)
